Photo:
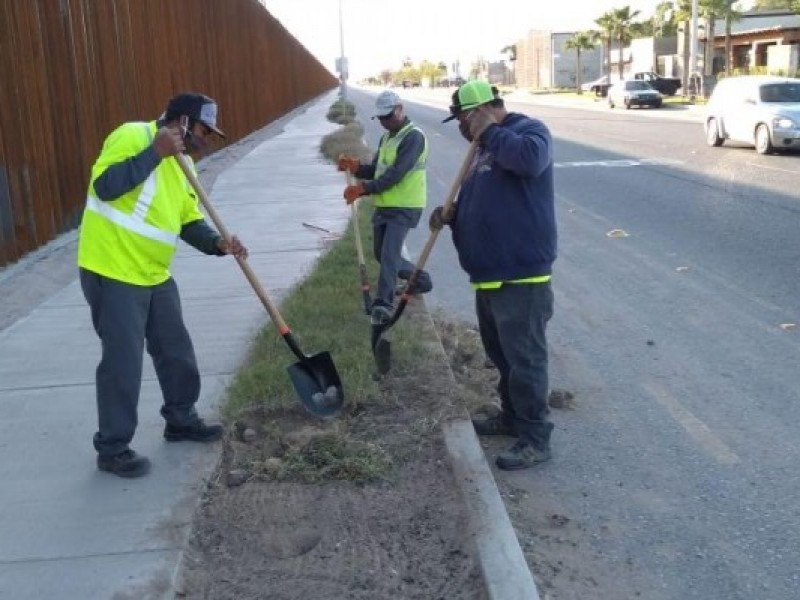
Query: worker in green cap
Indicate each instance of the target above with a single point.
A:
(504, 230)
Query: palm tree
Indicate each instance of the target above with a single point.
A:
(664, 26)
(622, 19)
(580, 41)
(606, 24)
(511, 51)
(730, 14)
(710, 10)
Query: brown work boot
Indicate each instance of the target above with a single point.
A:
(522, 455)
(497, 424)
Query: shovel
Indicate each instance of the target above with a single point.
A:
(381, 347)
(362, 267)
(315, 378)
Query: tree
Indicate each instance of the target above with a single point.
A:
(622, 20)
(664, 24)
(606, 24)
(730, 14)
(583, 40)
(429, 71)
(511, 52)
(479, 67)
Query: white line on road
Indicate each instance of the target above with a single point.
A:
(771, 168)
(693, 426)
(644, 162)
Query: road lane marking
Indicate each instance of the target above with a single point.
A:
(625, 162)
(772, 168)
(693, 426)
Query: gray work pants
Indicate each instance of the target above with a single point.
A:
(125, 317)
(390, 227)
(512, 322)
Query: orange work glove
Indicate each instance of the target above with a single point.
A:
(347, 163)
(354, 192)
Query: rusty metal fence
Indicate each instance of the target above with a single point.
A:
(71, 70)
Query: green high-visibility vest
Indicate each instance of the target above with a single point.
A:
(134, 237)
(412, 190)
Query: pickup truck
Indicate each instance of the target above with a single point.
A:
(666, 85)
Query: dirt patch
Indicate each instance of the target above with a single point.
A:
(362, 507)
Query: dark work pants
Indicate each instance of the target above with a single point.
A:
(512, 322)
(125, 317)
(389, 230)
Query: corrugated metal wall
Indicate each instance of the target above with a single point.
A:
(71, 70)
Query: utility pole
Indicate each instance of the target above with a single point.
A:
(342, 62)
(693, 41)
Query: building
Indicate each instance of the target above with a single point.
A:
(544, 62)
(763, 40)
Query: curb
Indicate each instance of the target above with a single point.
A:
(505, 572)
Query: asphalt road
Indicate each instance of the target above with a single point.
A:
(680, 462)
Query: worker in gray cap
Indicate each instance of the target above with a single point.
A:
(139, 204)
(396, 179)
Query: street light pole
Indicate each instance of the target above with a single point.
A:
(342, 59)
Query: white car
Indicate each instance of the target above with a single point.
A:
(634, 93)
(599, 86)
(761, 110)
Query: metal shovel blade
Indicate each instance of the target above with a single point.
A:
(317, 383)
(381, 350)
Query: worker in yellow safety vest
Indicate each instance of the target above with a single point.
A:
(396, 179)
(138, 206)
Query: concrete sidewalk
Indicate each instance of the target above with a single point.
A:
(68, 531)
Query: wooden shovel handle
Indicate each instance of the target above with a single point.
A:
(274, 314)
(356, 229)
(447, 208)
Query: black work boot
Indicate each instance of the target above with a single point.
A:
(380, 313)
(497, 424)
(422, 285)
(522, 455)
(126, 464)
(528, 453)
(196, 432)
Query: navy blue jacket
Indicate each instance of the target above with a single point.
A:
(504, 225)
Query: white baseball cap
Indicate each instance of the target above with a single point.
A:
(385, 103)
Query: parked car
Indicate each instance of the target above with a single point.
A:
(755, 109)
(599, 86)
(666, 85)
(634, 93)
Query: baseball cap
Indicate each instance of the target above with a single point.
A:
(468, 96)
(195, 106)
(385, 103)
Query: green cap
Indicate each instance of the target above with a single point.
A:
(468, 96)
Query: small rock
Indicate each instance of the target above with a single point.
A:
(651, 342)
(237, 477)
(249, 435)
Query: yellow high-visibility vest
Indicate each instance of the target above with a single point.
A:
(134, 237)
(412, 190)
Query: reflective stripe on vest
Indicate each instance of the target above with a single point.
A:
(412, 190)
(134, 222)
(493, 285)
(134, 237)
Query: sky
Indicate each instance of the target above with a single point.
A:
(379, 34)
